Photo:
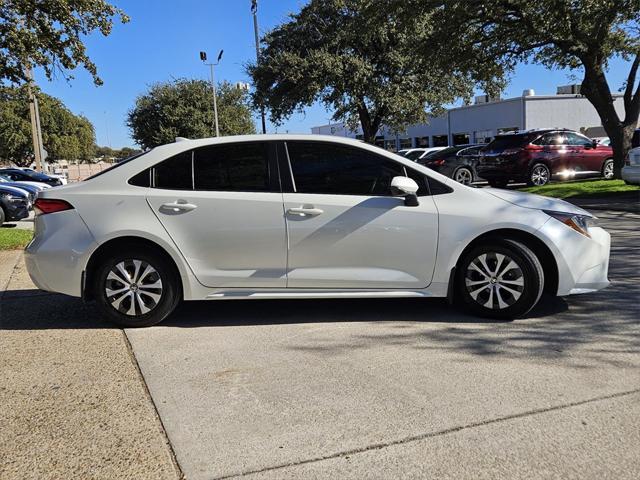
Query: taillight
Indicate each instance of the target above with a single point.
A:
(438, 162)
(42, 206)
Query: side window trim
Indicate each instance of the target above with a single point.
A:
(293, 179)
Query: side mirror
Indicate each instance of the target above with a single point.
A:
(405, 187)
(594, 144)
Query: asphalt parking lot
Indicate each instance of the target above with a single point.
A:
(350, 388)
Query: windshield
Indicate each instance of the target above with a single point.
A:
(416, 154)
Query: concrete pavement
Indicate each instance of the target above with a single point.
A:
(72, 401)
(404, 388)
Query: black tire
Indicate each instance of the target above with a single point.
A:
(504, 305)
(498, 183)
(607, 169)
(3, 216)
(169, 292)
(463, 175)
(539, 174)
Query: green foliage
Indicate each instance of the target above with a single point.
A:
(578, 34)
(589, 188)
(50, 34)
(358, 58)
(110, 153)
(64, 135)
(184, 108)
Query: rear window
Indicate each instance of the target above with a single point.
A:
(416, 154)
(507, 141)
(441, 153)
(635, 141)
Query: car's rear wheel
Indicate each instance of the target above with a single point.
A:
(607, 169)
(500, 278)
(498, 183)
(137, 289)
(539, 175)
(463, 175)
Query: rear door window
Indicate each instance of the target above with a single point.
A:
(239, 167)
(551, 139)
(175, 173)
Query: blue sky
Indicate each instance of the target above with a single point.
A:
(163, 39)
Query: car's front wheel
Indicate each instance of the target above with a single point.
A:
(499, 278)
(137, 289)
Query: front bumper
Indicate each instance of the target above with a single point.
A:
(17, 210)
(583, 262)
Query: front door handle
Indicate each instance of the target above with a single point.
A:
(305, 211)
(179, 206)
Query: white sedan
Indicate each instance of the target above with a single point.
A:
(299, 216)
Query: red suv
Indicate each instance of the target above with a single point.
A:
(534, 156)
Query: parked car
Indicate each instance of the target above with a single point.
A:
(14, 204)
(31, 189)
(535, 156)
(203, 219)
(416, 154)
(62, 178)
(18, 175)
(631, 170)
(457, 162)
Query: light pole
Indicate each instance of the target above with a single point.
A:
(254, 11)
(203, 57)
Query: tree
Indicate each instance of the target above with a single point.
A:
(49, 34)
(576, 34)
(64, 135)
(184, 108)
(357, 58)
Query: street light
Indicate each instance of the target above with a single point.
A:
(203, 57)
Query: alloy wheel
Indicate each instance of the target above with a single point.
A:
(494, 280)
(463, 176)
(608, 170)
(540, 175)
(133, 287)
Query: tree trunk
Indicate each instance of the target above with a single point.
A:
(370, 126)
(596, 89)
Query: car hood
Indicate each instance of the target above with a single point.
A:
(14, 191)
(538, 202)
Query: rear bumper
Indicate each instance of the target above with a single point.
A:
(631, 174)
(55, 261)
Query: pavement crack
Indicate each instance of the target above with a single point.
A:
(134, 360)
(424, 436)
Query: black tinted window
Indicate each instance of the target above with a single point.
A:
(240, 167)
(421, 180)
(635, 141)
(506, 141)
(142, 179)
(336, 169)
(174, 173)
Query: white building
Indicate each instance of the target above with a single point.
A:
(486, 118)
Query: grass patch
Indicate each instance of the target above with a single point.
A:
(14, 238)
(586, 189)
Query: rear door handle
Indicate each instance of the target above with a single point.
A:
(179, 206)
(305, 211)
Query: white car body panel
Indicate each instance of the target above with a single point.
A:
(361, 242)
(357, 246)
(631, 172)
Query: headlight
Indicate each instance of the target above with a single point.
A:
(580, 223)
(13, 198)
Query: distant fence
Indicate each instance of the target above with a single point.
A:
(77, 173)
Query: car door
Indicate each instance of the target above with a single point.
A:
(345, 228)
(579, 152)
(222, 206)
(591, 156)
